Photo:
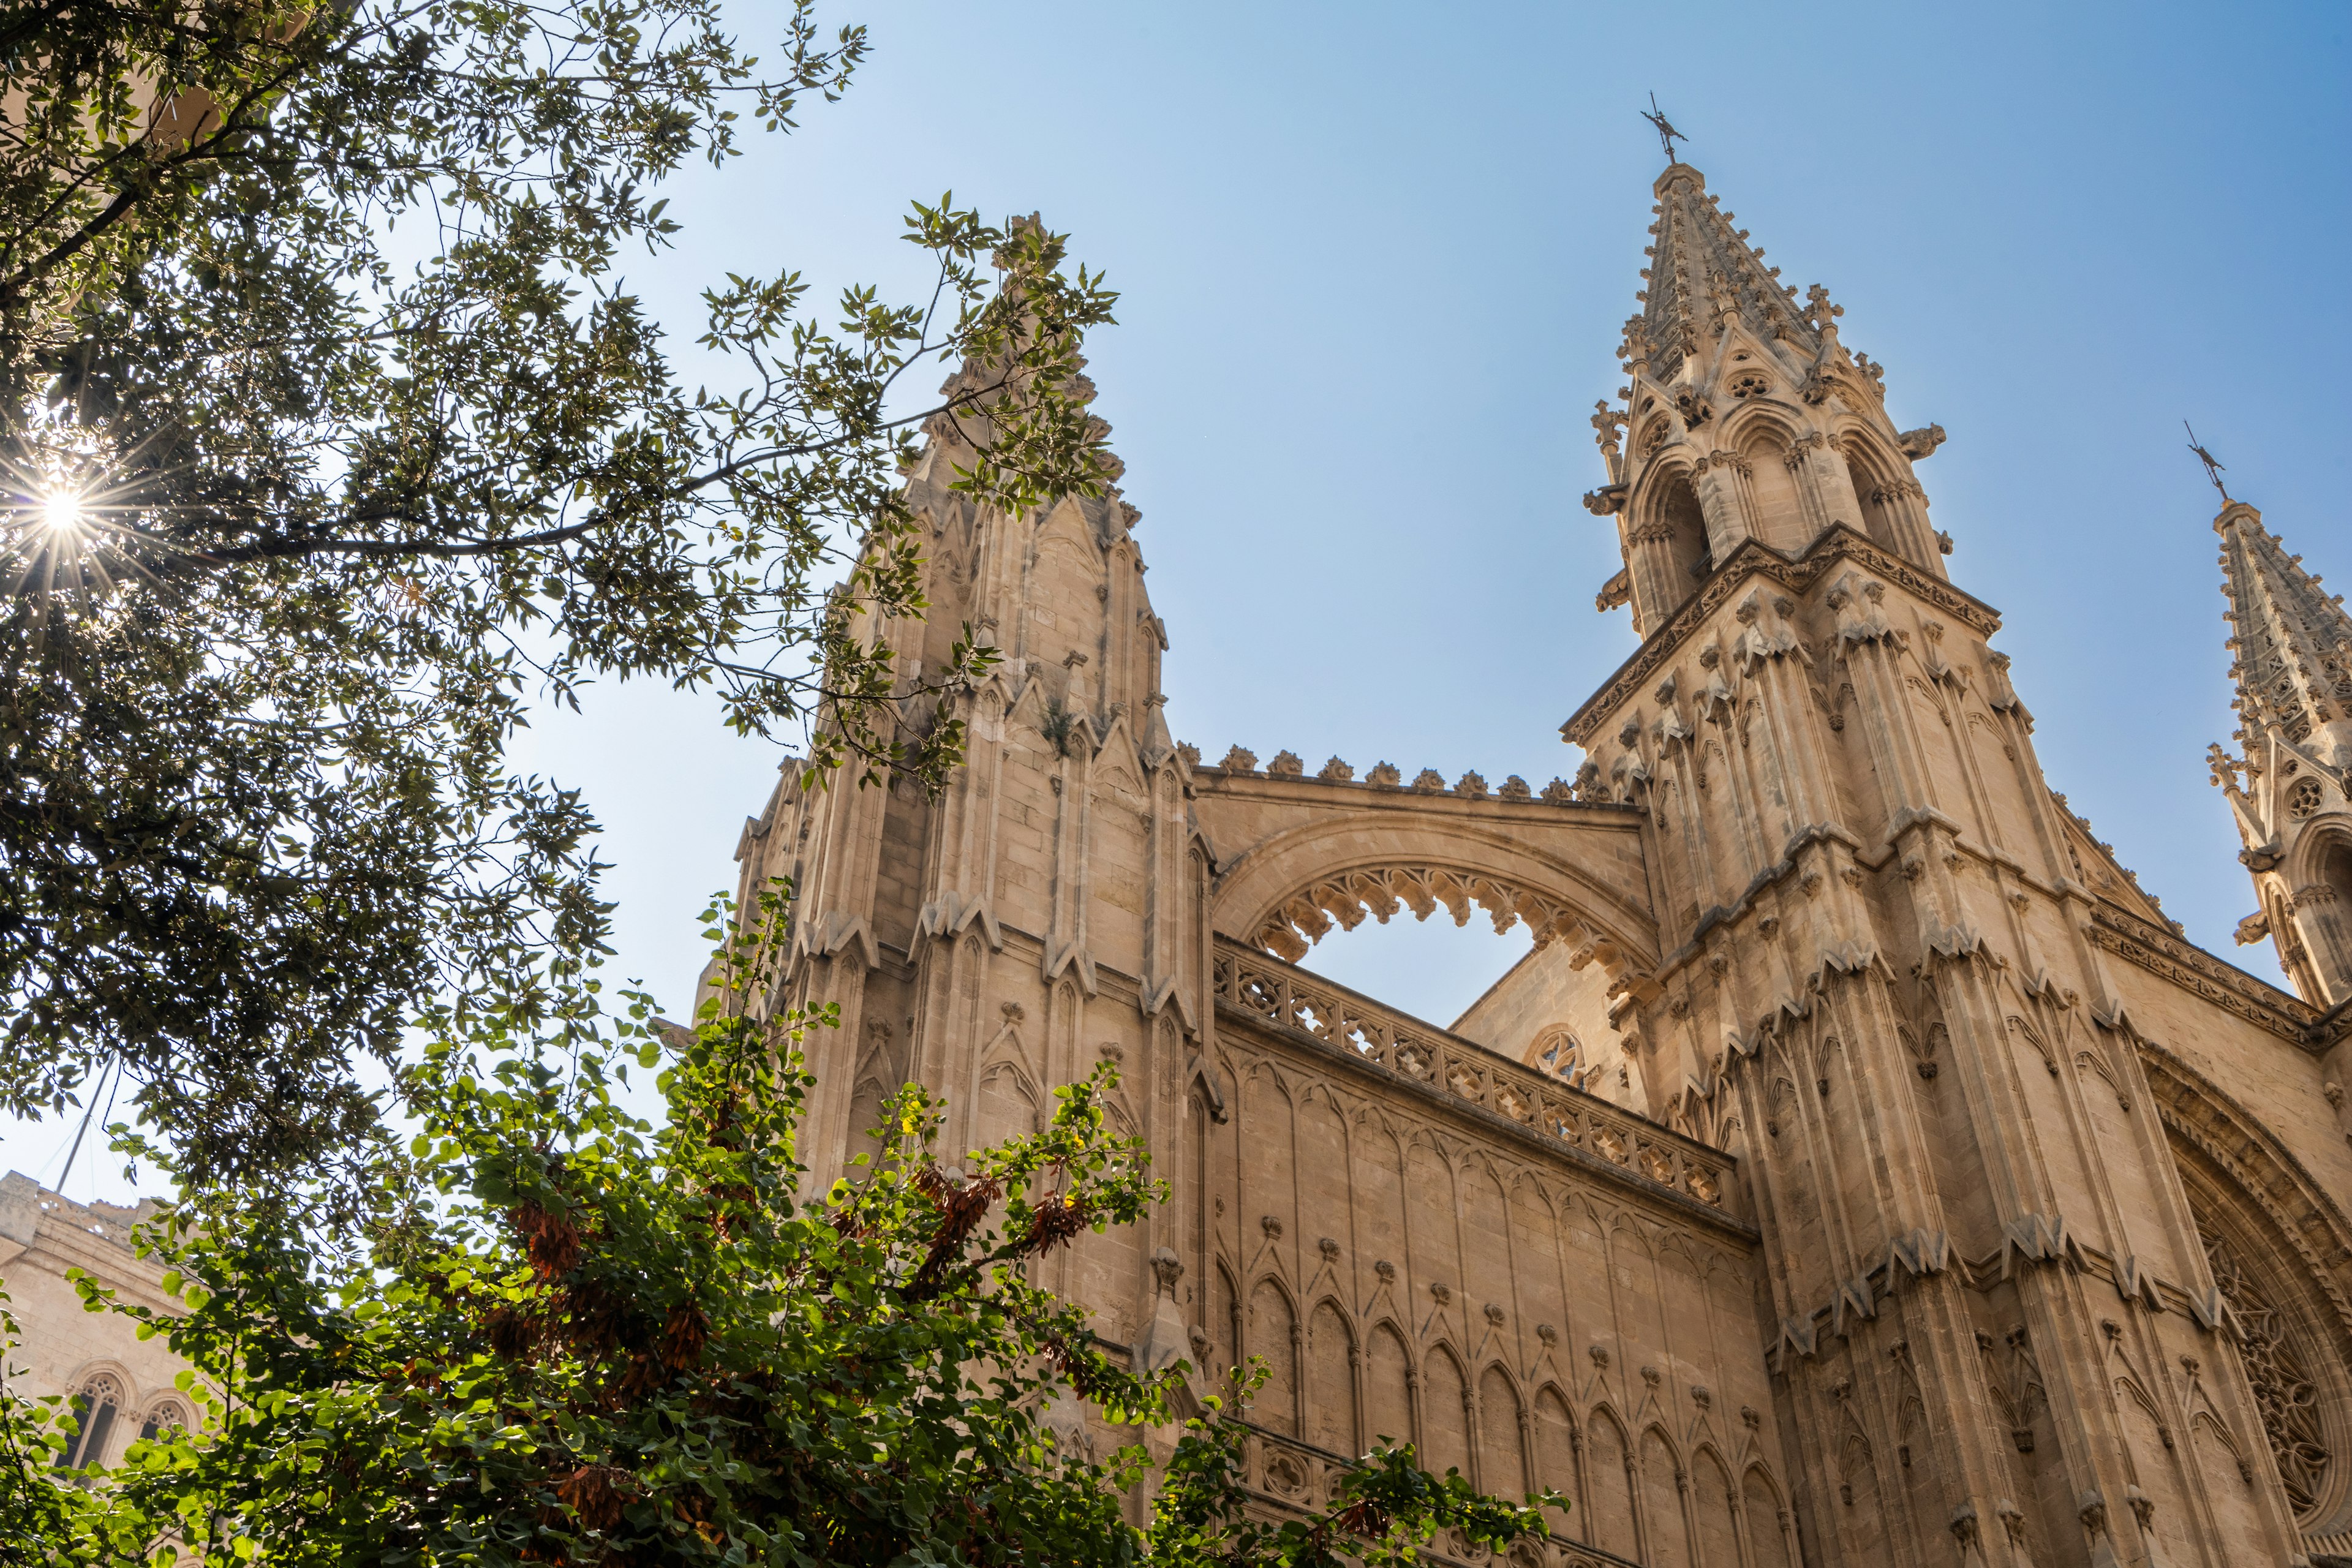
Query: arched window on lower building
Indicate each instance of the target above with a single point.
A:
(164, 1415)
(95, 1409)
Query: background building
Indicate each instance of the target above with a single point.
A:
(125, 1383)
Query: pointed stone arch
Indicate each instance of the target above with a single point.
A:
(2280, 1251)
(1331, 1358)
(1445, 1411)
(1272, 1331)
(1006, 1102)
(1893, 504)
(1666, 534)
(1390, 1381)
(1665, 1533)
(1771, 493)
(1296, 859)
(169, 1413)
(1784, 420)
(1224, 1317)
(101, 1402)
(1559, 1449)
(1714, 1506)
(1609, 1478)
(1860, 1512)
(1503, 1430)
(1766, 1518)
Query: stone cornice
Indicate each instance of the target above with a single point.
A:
(2150, 947)
(61, 1244)
(1795, 573)
(2029, 1241)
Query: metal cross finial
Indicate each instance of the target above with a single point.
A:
(2212, 464)
(1667, 134)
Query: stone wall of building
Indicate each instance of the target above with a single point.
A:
(1555, 1019)
(63, 1349)
(1427, 1244)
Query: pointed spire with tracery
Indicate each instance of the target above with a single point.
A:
(2291, 640)
(1744, 418)
(1702, 272)
(2293, 648)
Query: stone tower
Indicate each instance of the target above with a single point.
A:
(1044, 915)
(2292, 661)
(1990, 1294)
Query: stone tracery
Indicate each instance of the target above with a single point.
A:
(2276, 1364)
(1382, 891)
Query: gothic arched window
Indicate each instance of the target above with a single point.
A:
(2336, 874)
(1666, 546)
(1557, 1052)
(166, 1416)
(1681, 513)
(1776, 513)
(94, 1408)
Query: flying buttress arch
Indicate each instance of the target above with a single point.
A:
(1297, 857)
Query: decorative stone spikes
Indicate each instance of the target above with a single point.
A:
(2292, 641)
(1703, 276)
(1289, 765)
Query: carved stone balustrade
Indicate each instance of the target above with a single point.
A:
(1291, 1476)
(1269, 990)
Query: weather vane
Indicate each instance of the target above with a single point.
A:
(2212, 464)
(1667, 134)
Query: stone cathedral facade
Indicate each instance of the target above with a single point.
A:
(1860, 1170)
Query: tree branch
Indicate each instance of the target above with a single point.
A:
(439, 549)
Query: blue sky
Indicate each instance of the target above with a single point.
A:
(1374, 261)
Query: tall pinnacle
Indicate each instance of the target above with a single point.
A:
(1702, 270)
(2292, 641)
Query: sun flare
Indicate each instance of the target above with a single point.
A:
(62, 510)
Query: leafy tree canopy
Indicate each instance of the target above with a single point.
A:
(568, 1336)
(330, 437)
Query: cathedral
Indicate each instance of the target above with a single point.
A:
(1858, 1170)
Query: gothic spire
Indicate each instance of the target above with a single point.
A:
(1703, 271)
(2293, 642)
